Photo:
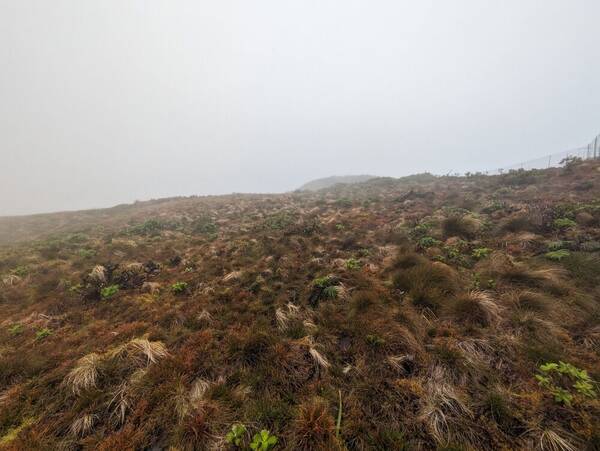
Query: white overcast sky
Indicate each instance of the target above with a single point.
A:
(104, 102)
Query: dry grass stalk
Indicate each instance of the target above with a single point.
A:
(85, 374)
(83, 425)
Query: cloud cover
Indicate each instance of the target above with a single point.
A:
(108, 102)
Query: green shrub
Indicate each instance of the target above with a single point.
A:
(109, 291)
(374, 340)
(204, 225)
(481, 252)
(236, 435)
(561, 378)
(42, 333)
(150, 227)
(179, 287)
(458, 226)
(352, 264)
(564, 223)
(558, 245)
(86, 253)
(263, 441)
(428, 241)
(20, 271)
(16, 329)
(584, 267)
(557, 255)
(330, 292)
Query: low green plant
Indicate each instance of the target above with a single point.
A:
(42, 333)
(421, 229)
(323, 282)
(179, 287)
(20, 271)
(558, 245)
(86, 253)
(16, 329)
(109, 291)
(352, 264)
(428, 241)
(263, 441)
(481, 252)
(375, 340)
(236, 435)
(560, 378)
(204, 225)
(557, 255)
(330, 292)
(564, 223)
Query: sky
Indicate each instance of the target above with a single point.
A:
(112, 101)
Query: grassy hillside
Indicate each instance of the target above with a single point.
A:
(417, 313)
(329, 182)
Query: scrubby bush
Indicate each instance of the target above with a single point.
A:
(109, 291)
(564, 223)
(236, 435)
(16, 329)
(179, 287)
(481, 252)
(583, 267)
(263, 441)
(561, 378)
(557, 255)
(352, 264)
(427, 283)
(42, 333)
(458, 226)
(428, 241)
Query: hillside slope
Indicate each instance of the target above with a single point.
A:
(327, 182)
(417, 312)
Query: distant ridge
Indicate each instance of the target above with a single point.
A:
(315, 185)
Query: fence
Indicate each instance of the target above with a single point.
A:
(591, 151)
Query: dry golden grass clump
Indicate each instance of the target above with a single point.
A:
(418, 313)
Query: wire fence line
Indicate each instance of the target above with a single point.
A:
(587, 152)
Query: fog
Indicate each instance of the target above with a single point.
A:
(105, 102)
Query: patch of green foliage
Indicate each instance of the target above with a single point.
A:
(323, 282)
(263, 441)
(481, 252)
(557, 255)
(42, 333)
(492, 207)
(352, 264)
(564, 223)
(151, 227)
(86, 253)
(330, 292)
(561, 378)
(421, 229)
(179, 287)
(236, 435)
(374, 340)
(204, 225)
(16, 329)
(558, 245)
(279, 221)
(109, 291)
(344, 203)
(20, 271)
(428, 241)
